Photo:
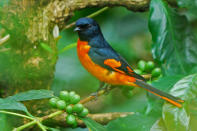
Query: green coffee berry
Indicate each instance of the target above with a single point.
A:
(74, 125)
(64, 95)
(69, 109)
(149, 66)
(142, 65)
(138, 71)
(156, 72)
(61, 104)
(71, 94)
(53, 102)
(71, 119)
(74, 99)
(78, 108)
(84, 112)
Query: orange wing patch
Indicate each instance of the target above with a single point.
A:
(114, 64)
(130, 70)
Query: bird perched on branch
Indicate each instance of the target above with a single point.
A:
(103, 62)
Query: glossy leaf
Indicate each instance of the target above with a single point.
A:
(93, 125)
(186, 88)
(31, 95)
(4, 123)
(158, 126)
(136, 122)
(178, 119)
(165, 84)
(12, 105)
(174, 45)
(12, 101)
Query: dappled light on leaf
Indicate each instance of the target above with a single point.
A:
(174, 45)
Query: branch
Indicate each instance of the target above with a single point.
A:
(102, 118)
(60, 11)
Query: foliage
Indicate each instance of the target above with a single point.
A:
(172, 39)
(173, 48)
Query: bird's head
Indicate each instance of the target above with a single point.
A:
(87, 29)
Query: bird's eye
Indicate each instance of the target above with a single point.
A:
(85, 26)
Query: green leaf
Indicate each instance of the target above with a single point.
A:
(94, 126)
(70, 46)
(186, 88)
(174, 45)
(158, 126)
(46, 47)
(31, 95)
(12, 105)
(136, 122)
(4, 123)
(165, 84)
(175, 119)
(178, 119)
(191, 5)
(11, 102)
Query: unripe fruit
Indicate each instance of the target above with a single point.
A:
(156, 72)
(84, 112)
(71, 94)
(70, 119)
(69, 109)
(61, 104)
(78, 108)
(53, 102)
(64, 95)
(149, 66)
(142, 65)
(74, 125)
(138, 71)
(74, 99)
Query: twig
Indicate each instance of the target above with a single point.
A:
(89, 16)
(41, 126)
(25, 126)
(67, 48)
(102, 118)
(17, 114)
(52, 115)
(147, 76)
(4, 39)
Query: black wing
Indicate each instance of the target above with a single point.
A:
(100, 55)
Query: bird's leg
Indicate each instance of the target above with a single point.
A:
(101, 86)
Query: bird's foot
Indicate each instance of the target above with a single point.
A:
(102, 86)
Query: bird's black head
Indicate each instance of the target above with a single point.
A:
(87, 29)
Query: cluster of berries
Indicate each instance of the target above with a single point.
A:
(148, 67)
(143, 68)
(69, 102)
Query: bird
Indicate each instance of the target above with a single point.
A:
(103, 62)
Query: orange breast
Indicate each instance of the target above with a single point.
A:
(104, 75)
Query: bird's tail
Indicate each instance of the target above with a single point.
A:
(174, 100)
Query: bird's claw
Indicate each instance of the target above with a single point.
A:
(95, 94)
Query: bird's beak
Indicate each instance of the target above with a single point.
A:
(77, 29)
